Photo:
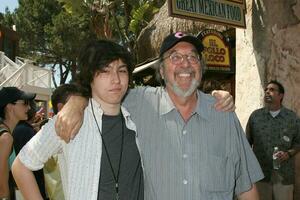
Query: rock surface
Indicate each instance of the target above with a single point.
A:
(269, 49)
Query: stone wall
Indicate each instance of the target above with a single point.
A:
(269, 49)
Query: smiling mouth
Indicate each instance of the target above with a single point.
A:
(184, 75)
(268, 98)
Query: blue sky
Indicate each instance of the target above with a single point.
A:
(11, 4)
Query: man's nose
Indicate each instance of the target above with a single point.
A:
(115, 77)
(185, 61)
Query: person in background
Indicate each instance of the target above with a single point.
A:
(23, 132)
(13, 108)
(190, 150)
(104, 162)
(52, 174)
(275, 126)
(61, 95)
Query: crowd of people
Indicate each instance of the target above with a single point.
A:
(169, 142)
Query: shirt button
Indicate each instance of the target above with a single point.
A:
(184, 132)
(185, 155)
(185, 182)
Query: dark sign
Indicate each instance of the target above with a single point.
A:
(214, 11)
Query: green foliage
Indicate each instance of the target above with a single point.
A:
(126, 17)
(50, 35)
(7, 19)
(63, 31)
(138, 17)
(75, 6)
(52, 31)
(141, 16)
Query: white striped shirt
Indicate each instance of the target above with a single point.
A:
(79, 160)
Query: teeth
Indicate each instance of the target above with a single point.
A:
(184, 75)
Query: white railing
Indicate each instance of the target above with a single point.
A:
(26, 76)
(23, 73)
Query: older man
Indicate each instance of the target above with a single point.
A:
(190, 151)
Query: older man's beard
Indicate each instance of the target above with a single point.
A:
(185, 93)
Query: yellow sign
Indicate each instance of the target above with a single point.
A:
(216, 52)
(214, 11)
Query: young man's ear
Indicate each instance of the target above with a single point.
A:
(60, 106)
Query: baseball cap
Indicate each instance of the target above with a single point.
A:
(172, 39)
(13, 94)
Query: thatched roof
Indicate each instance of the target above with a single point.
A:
(151, 37)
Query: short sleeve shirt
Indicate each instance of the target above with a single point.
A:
(207, 157)
(266, 132)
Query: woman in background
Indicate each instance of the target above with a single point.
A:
(13, 108)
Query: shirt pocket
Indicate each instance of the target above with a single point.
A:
(286, 138)
(217, 174)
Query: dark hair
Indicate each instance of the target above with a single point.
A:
(30, 114)
(33, 108)
(61, 95)
(279, 85)
(2, 113)
(43, 122)
(97, 55)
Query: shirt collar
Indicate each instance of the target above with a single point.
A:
(203, 107)
(98, 110)
(166, 105)
(283, 110)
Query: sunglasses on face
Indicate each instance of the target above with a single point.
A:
(23, 102)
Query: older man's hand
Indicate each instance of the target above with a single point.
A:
(70, 118)
(224, 102)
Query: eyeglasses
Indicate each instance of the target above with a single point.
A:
(177, 58)
(25, 103)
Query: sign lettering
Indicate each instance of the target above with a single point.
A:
(216, 52)
(220, 11)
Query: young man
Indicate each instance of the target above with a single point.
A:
(190, 151)
(104, 161)
(269, 127)
(13, 108)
